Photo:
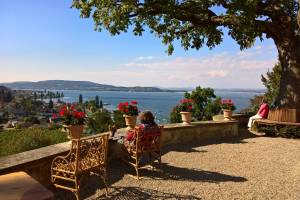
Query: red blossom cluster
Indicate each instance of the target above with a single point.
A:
(186, 101)
(186, 105)
(129, 108)
(227, 104)
(72, 115)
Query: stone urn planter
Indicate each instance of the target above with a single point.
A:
(74, 131)
(186, 118)
(130, 121)
(227, 115)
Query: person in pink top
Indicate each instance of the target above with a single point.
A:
(261, 114)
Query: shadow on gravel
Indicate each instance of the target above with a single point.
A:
(191, 147)
(184, 174)
(137, 193)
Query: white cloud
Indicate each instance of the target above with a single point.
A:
(239, 69)
(145, 58)
(217, 73)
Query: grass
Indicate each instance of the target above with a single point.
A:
(17, 141)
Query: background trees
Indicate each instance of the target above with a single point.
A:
(272, 81)
(206, 105)
(5, 94)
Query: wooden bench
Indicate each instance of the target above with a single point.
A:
(87, 155)
(289, 117)
(279, 119)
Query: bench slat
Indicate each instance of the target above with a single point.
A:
(285, 115)
(267, 121)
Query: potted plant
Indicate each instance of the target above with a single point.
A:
(228, 107)
(73, 120)
(130, 112)
(186, 109)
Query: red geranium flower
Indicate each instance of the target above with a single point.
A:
(128, 109)
(134, 102)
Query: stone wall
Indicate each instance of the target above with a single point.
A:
(37, 162)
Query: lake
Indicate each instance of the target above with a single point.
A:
(160, 103)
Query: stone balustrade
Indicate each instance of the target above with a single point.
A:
(37, 162)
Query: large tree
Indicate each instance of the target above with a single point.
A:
(195, 23)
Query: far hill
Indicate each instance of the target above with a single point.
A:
(77, 85)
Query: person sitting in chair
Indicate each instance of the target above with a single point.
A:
(261, 114)
(147, 124)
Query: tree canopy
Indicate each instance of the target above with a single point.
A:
(203, 22)
(194, 22)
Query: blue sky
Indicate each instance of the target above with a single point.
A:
(46, 39)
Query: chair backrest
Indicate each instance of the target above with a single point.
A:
(148, 138)
(90, 151)
(285, 115)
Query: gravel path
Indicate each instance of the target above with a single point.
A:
(252, 168)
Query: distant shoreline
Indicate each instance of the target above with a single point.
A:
(91, 86)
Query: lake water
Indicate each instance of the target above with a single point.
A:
(160, 103)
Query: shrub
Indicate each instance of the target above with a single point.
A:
(99, 122)
(206, 105)
(16, 141)
(279, 130)
(175, 116)
(31, 119)
(118, 119)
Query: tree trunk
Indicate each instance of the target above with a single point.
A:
(289, 56)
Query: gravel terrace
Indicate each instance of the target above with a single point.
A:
(244, 168)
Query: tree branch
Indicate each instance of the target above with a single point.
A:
(298, 17)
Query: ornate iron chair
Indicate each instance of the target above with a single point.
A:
(87, 155)
(146, 142)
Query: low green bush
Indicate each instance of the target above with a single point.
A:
(118, 119)
(98, 122)
(206, 105)
(17, 141)
(279, 130)
(175, 116)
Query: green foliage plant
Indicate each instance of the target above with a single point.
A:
(17, 141)
(272, 82)
(118, 119)
(205, 105)
(99, 121)
(80, 99)
(175, 116)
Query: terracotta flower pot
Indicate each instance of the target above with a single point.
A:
(186, 118)
(74, 131)
(130, 121)
(227, 114)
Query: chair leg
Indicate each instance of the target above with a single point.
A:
(77, 195)
(137, 166)
(77, 186)
(104, 179)
(159, 159)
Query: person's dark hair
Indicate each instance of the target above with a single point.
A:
(147, 117)
(264, 100)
